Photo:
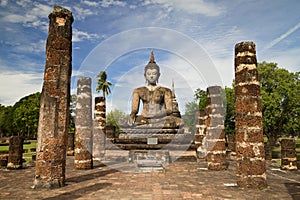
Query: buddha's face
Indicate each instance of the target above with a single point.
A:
(152, 76)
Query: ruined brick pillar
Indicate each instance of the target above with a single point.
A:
(231, 142)
(250, 155)
(83, 125)
(99, 135)
(15, 153)
(288, 154)
(200, 134)
(55, 102)
(215, 135)
(71, 144)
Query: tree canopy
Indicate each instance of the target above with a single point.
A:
(102, 83)
(23, 117)
(280, 91)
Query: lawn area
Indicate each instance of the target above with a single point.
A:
(29, 150)
(28, 147)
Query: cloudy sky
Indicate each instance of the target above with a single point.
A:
(193, 42)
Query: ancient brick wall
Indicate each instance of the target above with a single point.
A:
(250, 161)
(55, 102)
(288, 154)
(99, 129)
(84, 125)
(215, 135)
(15, 154)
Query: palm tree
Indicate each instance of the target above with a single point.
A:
(103, 84)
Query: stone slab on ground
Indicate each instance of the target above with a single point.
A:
(179, 180)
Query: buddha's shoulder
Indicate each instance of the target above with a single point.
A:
(164, 89)
(140, 89)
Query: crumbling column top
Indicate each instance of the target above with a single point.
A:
(59, 11)
(245, 46)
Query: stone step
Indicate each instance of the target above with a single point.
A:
(175, 155)
(116, 146)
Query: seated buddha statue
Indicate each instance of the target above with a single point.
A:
(158, 102)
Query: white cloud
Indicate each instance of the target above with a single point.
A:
(107, 3)
(37, 17)
(192, 6)
(3, 3)
(283, 36)
(34, 47)
(14, 85)
(79, 36)
(81, 13)
(288, 59)
(90, 3)
(23, 3)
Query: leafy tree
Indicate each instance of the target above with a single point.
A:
(280, 90)
(189, 117)
(229, 104)
(72, 113)
(102, 83)
(200, 96)
(6, 117)
(114, 117)
(26, 115)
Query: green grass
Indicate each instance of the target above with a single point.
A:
(27, 147)
(29, 150)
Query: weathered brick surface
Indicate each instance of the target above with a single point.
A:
(3, 160)
(231, 142)
(215, 137)
(84, 125)
(71, 144)
(55, 102)
(248, 121)
(288, 154)
(99, 134)
(200, 131)
(288, 144)
(249, 135)
(15, 159)
(248, 104)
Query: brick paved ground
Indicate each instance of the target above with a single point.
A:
(180, 180)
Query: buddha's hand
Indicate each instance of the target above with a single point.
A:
(132, 119)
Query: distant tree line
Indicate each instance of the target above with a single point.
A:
(23, 117)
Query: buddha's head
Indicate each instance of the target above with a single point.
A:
(152, 72)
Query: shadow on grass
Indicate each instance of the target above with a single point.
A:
(79, 192)
(294, 190)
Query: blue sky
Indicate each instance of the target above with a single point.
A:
(193, 42)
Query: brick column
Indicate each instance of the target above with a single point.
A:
(288, 154)
(15, 154)
(231, 142)
(250, 161)
(215, 135)
(71, 144)
(200, 134)
(99, 129)
(55, 102)
(83, 125)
